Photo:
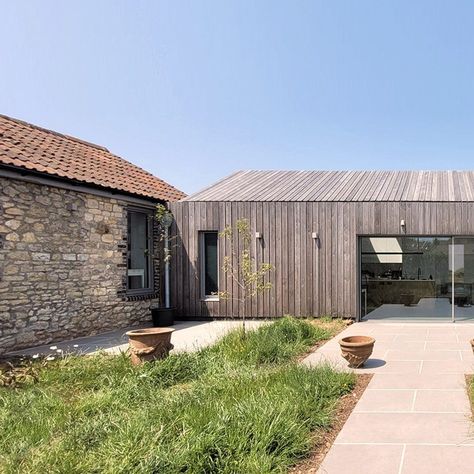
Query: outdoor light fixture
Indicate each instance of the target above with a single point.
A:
(258, 235)
(402, 224)
(315, 237)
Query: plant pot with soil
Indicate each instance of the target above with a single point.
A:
(356, 349)
(162, 317)
(149, 344)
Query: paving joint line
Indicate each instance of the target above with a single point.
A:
(402, 459)
(414, 401)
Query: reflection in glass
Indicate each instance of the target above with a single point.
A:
(463, 257)
(138, 270)
(210, 263)
(405, 277)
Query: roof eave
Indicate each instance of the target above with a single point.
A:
(46, 179)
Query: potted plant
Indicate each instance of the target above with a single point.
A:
(356, 349)
(163, 316)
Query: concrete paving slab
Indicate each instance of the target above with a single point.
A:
(398, 367)
(444, 345)
(442, 330)
(351, 459)
(383, 338)
(448, 337)
(467, 355)
(446, 367)
(404, 346)
(416, 403)
(422, 355)
(418, 381)
(441, 401)
(407, 428)
(385, 401)
(415, 338)
(438, 459)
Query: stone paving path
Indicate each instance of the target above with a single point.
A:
(188, 336)
(414, 416)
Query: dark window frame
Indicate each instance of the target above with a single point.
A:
(202, 265)
(150, 257)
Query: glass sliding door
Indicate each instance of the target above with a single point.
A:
(405, 277)
(463, 278)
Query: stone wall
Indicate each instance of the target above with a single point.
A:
(62, 266)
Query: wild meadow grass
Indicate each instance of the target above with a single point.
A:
(470, 391)
(241, 406)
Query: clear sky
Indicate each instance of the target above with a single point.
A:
(192, 91)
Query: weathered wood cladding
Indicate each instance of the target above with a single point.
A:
(341, 186)
(309, 279)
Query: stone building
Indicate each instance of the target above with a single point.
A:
(79, 248)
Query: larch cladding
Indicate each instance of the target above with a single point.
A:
(311, 276)
(62, 265)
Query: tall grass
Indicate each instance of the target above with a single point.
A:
(470, 391)
(240, 406)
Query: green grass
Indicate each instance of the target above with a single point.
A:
(240, 406)
(470, 391)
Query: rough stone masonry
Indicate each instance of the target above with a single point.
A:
(62, 265)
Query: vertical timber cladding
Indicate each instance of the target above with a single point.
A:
(308, 279)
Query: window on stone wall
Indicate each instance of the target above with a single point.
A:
(140, 245)
(209, 265)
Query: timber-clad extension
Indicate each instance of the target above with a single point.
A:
(311, 224)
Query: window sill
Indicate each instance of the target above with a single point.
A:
(140, 292)
(141, 295)
(210, 298)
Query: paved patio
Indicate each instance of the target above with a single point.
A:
(187, 336)
(414, 416)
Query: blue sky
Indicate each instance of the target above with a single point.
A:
(194, 90)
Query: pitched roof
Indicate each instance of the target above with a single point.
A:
(344, 186)
(27, 146)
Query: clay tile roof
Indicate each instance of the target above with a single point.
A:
(27, 146)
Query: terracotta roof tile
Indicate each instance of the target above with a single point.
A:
(34, 148)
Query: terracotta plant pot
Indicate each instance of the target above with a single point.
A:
(356, 349)
(149, 344)
(407, 299)
(472, 345)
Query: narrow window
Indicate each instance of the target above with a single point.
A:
(139, 251)
(209, 265)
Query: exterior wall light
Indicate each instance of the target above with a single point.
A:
(258, 235)
(403, 225)
(315, 237)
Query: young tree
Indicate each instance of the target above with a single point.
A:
(242, 267)
(164, 218)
